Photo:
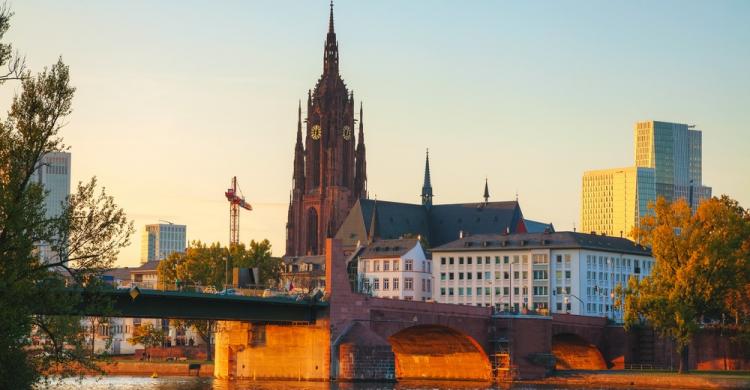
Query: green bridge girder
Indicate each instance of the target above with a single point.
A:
(200, 306)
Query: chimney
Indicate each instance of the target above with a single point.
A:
(460, 234)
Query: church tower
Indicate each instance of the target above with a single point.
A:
(329, 173)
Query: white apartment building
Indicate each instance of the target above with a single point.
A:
(559, 272)
(160, 240)
(397, 269)
(53, 174)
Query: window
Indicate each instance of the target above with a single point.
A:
(450, 276)
(497, 290)
(395, 284)
(487, 275)
(559, 260)
(376, 284)
(409, 284)
(487, 291)
(515, 274)
(450, 260)
(539, 259)
(395, 265)
(540, 275)
(376, 265)
(479, 276)
(515, 290)
(450, 291)
(386, 265)
(486, 260)
(506, 290)
(460, 276)
(506, 275)
(386, 284)
(469, 275)
(429, 266)
(497, 275)
(460, 291)
(442, 291)
(525, 275)
(442, 276)
(567, 259)
(479, 260)
(468, 292)
(497, 259)
(567, 274)
(479, 291)
(442, 262)
(408, 265)
(429, 286)
(506, 259)
(424, 285)
(460, 261)
(468, 260)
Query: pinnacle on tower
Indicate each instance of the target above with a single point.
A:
(427, 186)
(330, 20)
(486, 191)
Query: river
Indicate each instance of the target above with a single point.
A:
(194, 383)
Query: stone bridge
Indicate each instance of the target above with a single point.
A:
(359, 337)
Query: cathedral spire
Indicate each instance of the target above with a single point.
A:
(486, 191)
(299, 155)
(427, 186)
(360, 165)
(331, 56)
(330, 20)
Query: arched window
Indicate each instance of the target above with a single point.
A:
(312, 232)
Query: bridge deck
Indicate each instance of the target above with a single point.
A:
(202, 306)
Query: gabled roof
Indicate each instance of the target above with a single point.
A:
(555, 240)
(389, 248)
(147, 267)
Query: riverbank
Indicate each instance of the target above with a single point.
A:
(160, 368)
(649, 379)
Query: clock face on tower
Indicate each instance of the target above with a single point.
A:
(346, 132)
(316, 132)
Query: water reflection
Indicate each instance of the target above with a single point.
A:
(193, 383)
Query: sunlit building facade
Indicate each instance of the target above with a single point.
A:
(614, 200)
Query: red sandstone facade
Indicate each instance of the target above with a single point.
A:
(329, 172)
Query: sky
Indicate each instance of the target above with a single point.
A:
(176, 97)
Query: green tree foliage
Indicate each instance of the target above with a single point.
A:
(86, 236)
(702, 269)
(148, 335)
(205, 265)
(204, 328)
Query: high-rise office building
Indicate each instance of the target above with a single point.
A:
(160, 240)
(53, 174)
(674, 150)
(614, 200)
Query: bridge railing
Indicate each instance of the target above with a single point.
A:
(252, 291)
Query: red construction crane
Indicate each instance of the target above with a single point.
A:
(236, 200)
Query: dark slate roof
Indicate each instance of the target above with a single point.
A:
(556, 240)
(439, 224)
(447, 220)
(120, 273)
(537, 227)
(318, 259)
(389, 248)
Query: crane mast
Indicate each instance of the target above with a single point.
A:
(236, 201)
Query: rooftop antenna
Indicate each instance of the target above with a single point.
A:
(516, 194)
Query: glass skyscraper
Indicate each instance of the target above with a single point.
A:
(53, 174)
(160, 240)
(674, 151)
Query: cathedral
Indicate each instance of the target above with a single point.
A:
(329, 185)
(329, 170)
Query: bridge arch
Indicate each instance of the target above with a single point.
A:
(573, 352)
(438, 352)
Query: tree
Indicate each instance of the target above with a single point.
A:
(86, 236)
(701, 265)
(259, 255)
(204, 328)
(148, 335)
